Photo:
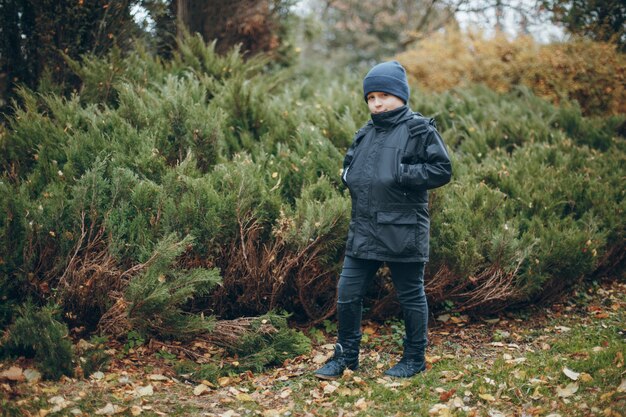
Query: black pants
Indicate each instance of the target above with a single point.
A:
(408, 281)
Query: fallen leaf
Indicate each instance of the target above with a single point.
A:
(487, 397)
(59, 403)
(443, 318)
(158, 377)
(110, 409)
(571, 374)
(319, 358)
(461, 319)
(136, 410)
(445, 396)
(329, 389)
(361, 404)
(622, 386)
(32, 376)
(144, 391)
(495, 413)
(13, 374)
(207, 383)
(98, 375)
(562, 328)
(568, 391)
(448, 376)
(244, 397)
(223, 381)
(585, 377)
(441, 410)
(432, 359)
(200, 389)
(369, 330)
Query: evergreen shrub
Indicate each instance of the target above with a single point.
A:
(38, 333)
(257, 350)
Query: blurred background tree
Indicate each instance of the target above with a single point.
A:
(599, 20)
(259, 26)
(35, 34)
(352, 31)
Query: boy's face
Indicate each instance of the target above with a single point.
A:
(379, 102)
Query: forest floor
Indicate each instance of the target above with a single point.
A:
(563, 360)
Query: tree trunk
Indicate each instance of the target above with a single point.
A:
(247, 22)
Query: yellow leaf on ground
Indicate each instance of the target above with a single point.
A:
(244, 397)
(487, 397)
(200, 389)
(585, 377)
(568, 391)
(369, 330)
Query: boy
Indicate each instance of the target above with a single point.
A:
(393, 162)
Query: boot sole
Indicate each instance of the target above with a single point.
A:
(326, 377)
(410, 376)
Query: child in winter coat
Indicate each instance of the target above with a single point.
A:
(393, 162)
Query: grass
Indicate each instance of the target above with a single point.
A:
(513, 367)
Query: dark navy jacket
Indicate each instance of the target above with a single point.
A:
(389, 169)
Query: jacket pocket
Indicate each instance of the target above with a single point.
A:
(397, 232)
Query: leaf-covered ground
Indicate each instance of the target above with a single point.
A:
(565, 360)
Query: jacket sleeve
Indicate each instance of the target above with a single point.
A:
(433, 169)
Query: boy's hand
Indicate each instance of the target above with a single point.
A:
(404, 172)
(410, 158)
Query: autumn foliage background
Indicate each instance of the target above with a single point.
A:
(166, 193)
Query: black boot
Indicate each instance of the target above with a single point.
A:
(413, 361)
(349, 339)
(341, 360)
(407, 367)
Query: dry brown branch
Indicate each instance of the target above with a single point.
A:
(115, 321)
(182, 350)
(227, 333)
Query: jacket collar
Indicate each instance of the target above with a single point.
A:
(391, 118)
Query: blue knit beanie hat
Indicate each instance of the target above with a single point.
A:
(387, 77)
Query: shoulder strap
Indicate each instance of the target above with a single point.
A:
(420, 125)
